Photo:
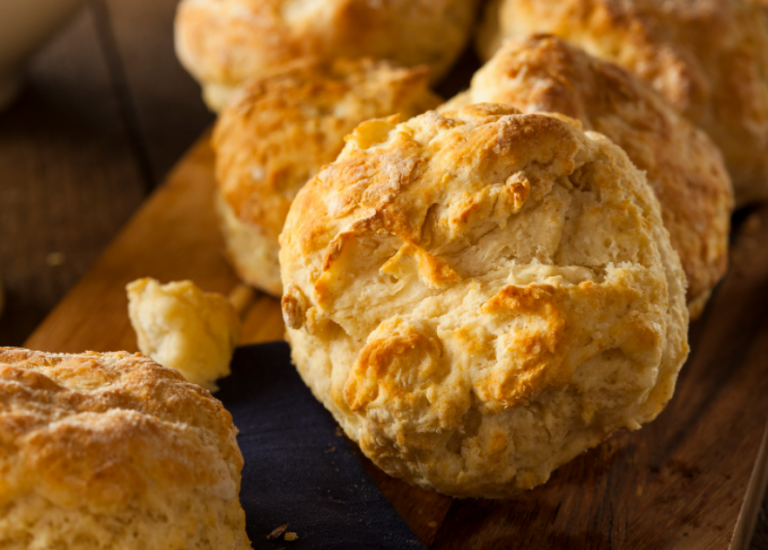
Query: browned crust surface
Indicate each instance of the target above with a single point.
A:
(279, 131)
(96, 448)
(481, 295)
(225, 42)
(542, 73)
(709, 58)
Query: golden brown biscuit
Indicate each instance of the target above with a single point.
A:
(479, 297)
(180, 326)
(226, 42)
(279, 131)
(111, 450)
(709, 58)
(684, 168)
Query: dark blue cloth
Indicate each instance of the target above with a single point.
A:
(298, 469)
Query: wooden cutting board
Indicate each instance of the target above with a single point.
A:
(692, 479)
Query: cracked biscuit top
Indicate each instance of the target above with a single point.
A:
(708, 58)
(277, 132)
(683, 166)
(481, 295)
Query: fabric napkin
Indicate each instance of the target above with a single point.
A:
(298, 469)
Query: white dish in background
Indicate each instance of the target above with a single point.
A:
(25, 25)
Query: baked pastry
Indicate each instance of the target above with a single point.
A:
(180, 326)
(279, 131)
(225, 42)
(709, 58)
(111, 450)
(684, 168)
(479, 297)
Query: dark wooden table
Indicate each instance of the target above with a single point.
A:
(106, 112)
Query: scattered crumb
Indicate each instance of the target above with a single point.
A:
(432, 524)
(339, 432)
(55, 259)
(290, 536)
(277, 532)
(181, 327)
(753, 223)
(331, 449)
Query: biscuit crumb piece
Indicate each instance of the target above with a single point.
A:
(277, 532)
(291, 536)
(55, 259)
(753, 223)
(180, 326)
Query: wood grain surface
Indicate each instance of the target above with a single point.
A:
(691, 479)
(107, 110)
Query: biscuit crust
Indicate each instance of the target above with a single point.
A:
(479, 296)
(113, 451)
(542, 73)
(279, 131)
(708, 58)
(225, 42)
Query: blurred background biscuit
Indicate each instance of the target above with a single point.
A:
(708, 58)
(684, 168)
(225, 42)
(480, 296)
(112, 450)
(279, 131)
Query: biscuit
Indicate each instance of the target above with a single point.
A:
(180, 326)
(682, 165)
(279, 131)
(225, 42)
(111, 450)
(708, 58)
(480, 296)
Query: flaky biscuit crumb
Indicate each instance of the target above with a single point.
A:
(182, 327)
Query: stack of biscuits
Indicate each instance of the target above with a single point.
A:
(478, 289)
